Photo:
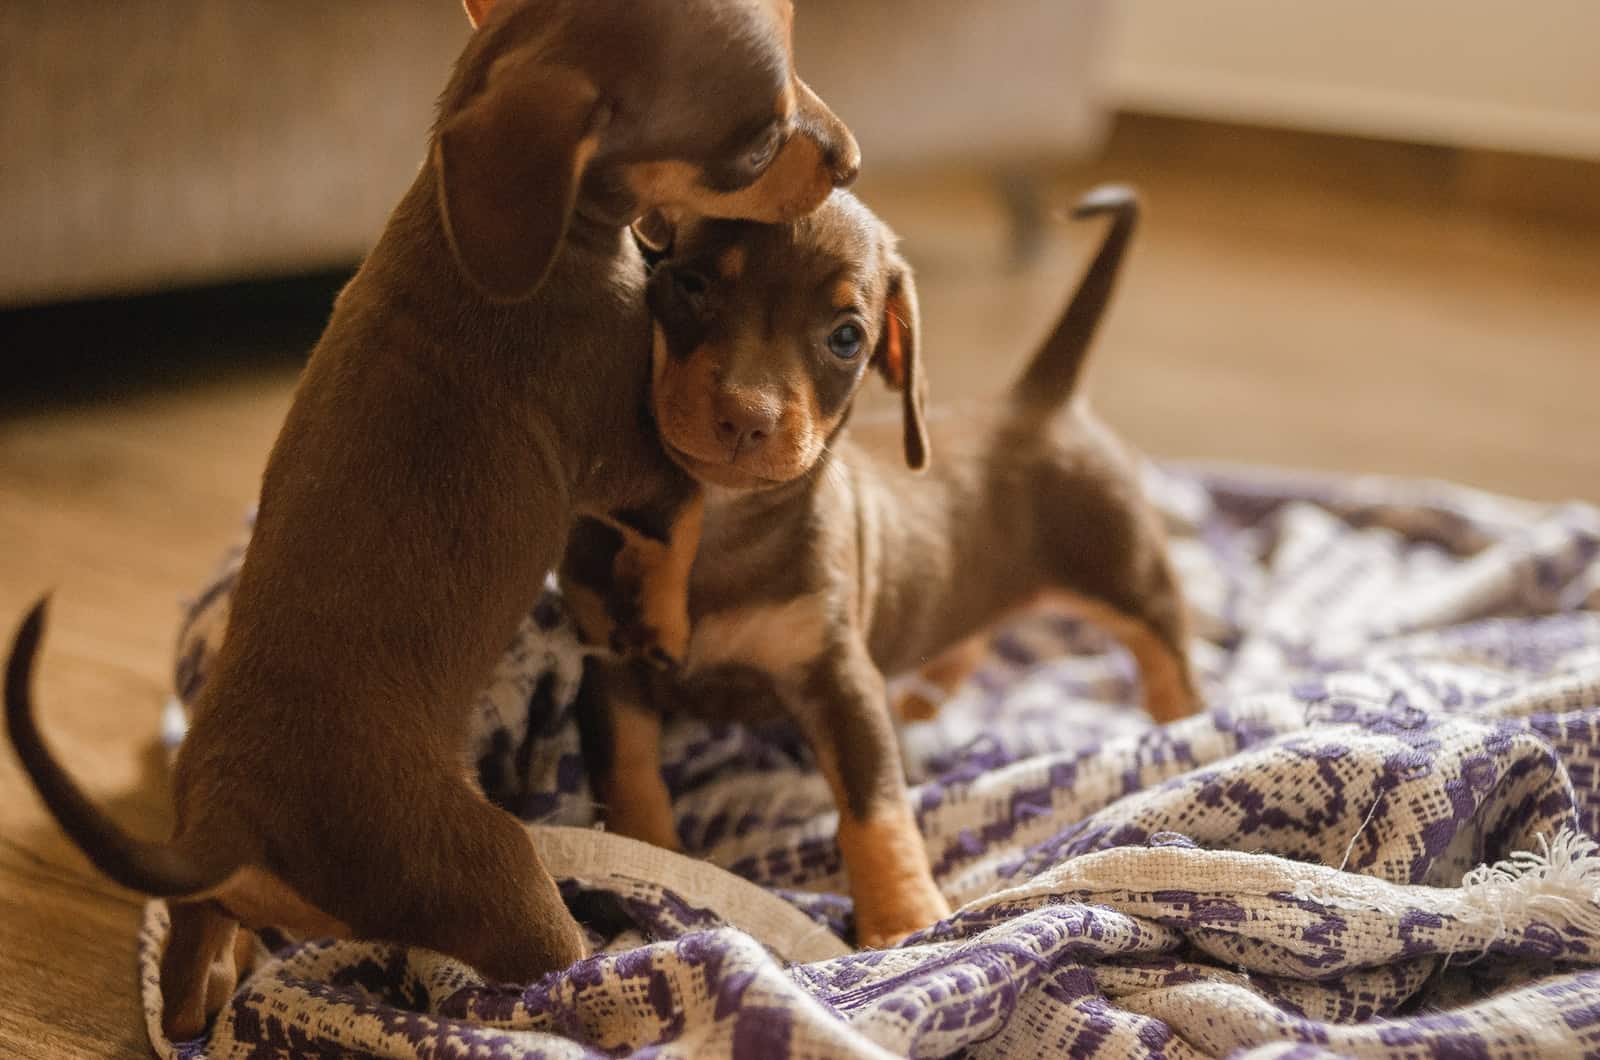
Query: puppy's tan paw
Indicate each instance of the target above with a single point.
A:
(665, 627)
(641, 642)
(1169, 693)
(650, 619)
(915, 705)
(652, 824)
(890, 880)
(879, 926)
(637, 802)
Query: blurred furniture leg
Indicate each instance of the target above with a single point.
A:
(1022, 194)
(157, 142)
(1005, 88)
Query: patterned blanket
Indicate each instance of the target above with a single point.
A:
(1375, 843)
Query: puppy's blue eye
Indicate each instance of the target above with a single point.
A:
(845, 342)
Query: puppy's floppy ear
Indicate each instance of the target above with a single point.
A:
(654, 233)
(508, 165)
(896, 357)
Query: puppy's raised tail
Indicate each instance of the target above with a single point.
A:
(1052, 376)
(154, 868)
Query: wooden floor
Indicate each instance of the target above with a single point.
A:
(1292, 301)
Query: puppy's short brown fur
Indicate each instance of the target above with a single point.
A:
(482, 380)
(826, 564)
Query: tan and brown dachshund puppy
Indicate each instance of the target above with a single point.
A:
(826, 564)
(483, 379)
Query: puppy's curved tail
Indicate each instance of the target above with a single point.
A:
(153, 868)
(1052, 376)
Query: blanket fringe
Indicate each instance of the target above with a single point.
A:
(1560, 883)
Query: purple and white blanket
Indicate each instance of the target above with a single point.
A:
(1375, 843)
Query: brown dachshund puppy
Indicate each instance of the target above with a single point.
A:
(826, 564)
(483, 379)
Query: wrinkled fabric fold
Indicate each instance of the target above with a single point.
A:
(1376, 841)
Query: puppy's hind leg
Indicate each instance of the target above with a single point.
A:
(938, 678)
(1152, 624)
(1104, 554)
(485, 898)
(245, 944)
(1156, 644)
(197, 968)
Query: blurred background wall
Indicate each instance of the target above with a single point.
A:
(1472, 73)
(151, 144)
(1370, 241)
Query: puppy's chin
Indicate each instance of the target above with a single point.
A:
(723, 474)
(728, 476)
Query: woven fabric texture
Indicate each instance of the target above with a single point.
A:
(1374, 843)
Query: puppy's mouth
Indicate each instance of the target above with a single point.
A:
(723, 473)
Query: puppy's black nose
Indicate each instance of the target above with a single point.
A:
(742, 425)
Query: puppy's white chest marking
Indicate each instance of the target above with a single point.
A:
(777, 638)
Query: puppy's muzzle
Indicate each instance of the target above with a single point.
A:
(840, 152)
(741, 424)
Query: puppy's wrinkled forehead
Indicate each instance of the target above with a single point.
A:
(671, 71)
(834, 257)
(736, 78)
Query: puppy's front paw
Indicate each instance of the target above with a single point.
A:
(890, 879)
(915, 704)
(882, 924)
(649, 609)
(643, 643)
(663, 629)
(646, 819)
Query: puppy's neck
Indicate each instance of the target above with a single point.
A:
(732, 515)
(596, 265)
(569, 362)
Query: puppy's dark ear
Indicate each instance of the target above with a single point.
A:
(508, 165)
(654, 233)
(896, 357)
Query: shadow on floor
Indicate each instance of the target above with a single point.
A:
(95, 352)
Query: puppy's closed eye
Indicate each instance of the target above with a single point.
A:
(679, 297)
(683, 296)
(689, 286)
(763, 149)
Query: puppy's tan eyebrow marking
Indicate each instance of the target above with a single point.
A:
(844, 294)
